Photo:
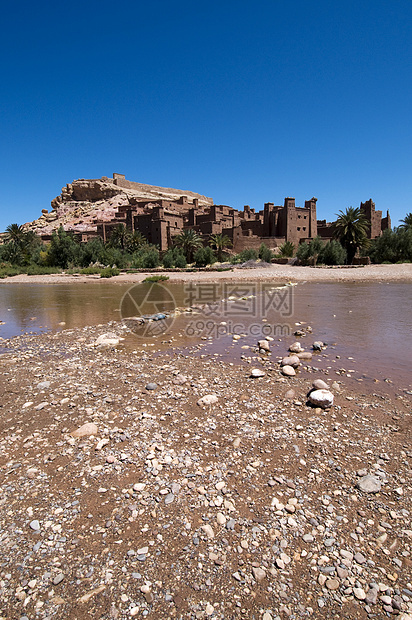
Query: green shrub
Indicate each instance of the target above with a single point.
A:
(333, 253)
(7, 271)
(90, 271)
(265, 254)
(174, 257)
(93, 252)
(244, 256)
(392, 246)
(159, 278)
(308, 253)
(109, 272)
(168, 260)
(204, 256)
(146, 257)
(63, 250)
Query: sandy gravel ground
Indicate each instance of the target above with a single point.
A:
(168, 508)
(385, 273)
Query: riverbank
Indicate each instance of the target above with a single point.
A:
(247, 507)
(284, 273)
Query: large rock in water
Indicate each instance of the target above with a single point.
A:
(291, 360)
(296, 347)
(321, 398)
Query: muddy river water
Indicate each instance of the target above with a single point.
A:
(368, 326)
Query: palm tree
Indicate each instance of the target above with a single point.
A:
(406, 222)
(189, 241)
(351, 230)
(287, 249)
(220, 242)
(135, 241)
(119, 237)
(15, 234)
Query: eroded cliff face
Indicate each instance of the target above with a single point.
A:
(85, 202)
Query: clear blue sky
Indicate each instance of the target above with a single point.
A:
(246, 102)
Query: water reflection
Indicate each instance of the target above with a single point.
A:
(371, 322)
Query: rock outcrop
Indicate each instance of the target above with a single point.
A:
(85, 202)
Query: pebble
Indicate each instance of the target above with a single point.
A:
(35, 525)
(85, 430)
(369, 484)
(288, 371)
(359, 593)
(257, 372)
(319, 384)
(208, 530)
(151, 386)
(209, 399)
(58, 579)
(259, 574)
(332, 584)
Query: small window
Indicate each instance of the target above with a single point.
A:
(304, 217)
(298, 227)
(304, 228)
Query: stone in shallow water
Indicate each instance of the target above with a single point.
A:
(369, 484)
(288, 371)
(296, 347)
(319, 384)
(318, 345)
(291, 360)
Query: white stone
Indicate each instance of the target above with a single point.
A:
(257, 372)
(291, 360)
(369, 484)
(321, 398)
(209, 399)
(288, 371)
(319, 384)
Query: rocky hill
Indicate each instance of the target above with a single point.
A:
(85, 202)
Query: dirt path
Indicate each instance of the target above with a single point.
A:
(284, 273)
